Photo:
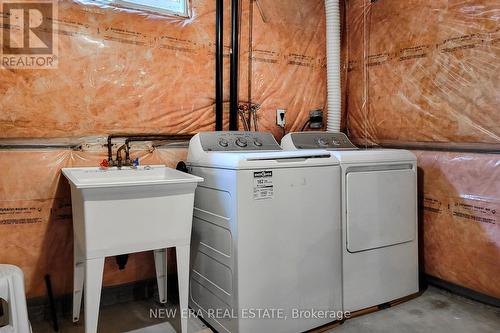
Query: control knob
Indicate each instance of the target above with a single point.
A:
(223, 143)
(241, 142)
(257, 143)
(322, 142)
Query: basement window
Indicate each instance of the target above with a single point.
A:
(162, 7)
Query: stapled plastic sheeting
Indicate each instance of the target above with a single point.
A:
(36, 219)
(126, 71)
(119, 71)
(129, 71)
(424, 71)
(461, 218)
(287, 48)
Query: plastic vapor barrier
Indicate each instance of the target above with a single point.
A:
(283, 46)
(460, 218)
(425, 74)
(127, 71)
(36, 218)
(119, 71)
(424, 71)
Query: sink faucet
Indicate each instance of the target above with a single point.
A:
(119, 156)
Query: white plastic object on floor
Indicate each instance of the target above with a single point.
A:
(12, 291)
(128, 210)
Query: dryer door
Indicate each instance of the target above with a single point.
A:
(380, 208)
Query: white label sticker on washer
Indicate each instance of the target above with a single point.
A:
(263, 187)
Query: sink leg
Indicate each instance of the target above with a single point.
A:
(161, 273)
(78, 277)
(94, 269)
(183, 276)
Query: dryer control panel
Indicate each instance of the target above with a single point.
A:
(322, 140)
(238, 141)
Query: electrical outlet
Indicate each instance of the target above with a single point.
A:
(280, 117)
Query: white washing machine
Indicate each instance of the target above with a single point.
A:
(263, 245)
(379, 218)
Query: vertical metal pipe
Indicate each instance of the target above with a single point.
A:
(250, 52)
(219, 65)
(235, 50)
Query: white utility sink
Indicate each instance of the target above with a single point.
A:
(83, 178)
(127, 210)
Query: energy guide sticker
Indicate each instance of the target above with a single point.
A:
(263, 187)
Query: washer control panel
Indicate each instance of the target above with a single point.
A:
(325, 140)
(238, 141)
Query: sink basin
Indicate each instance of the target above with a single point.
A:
(117, 211)
(127, 210)
(126, 176)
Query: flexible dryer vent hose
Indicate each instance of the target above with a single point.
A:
(333, 64)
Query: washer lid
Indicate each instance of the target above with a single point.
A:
(205, 149)
(265, 160)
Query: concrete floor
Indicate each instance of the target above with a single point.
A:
(434, 311)
(113, 319)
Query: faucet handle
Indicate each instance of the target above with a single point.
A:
(104, 164)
